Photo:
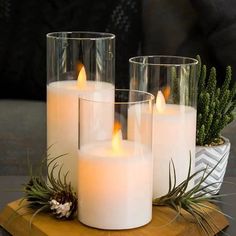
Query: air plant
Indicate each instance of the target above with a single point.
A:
(193, 201)
(54, 195)
(51, 194)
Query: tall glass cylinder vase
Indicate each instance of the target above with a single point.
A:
(172, 80)
(115, 173)
(79, 64)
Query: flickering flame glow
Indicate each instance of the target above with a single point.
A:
(82, 78)
(166, 92)
(160, 102)
(117, 138)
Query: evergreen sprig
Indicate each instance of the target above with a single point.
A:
(216, 105)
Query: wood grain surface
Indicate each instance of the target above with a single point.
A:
(17, 223)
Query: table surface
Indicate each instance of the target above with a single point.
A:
(10, 183)
(229, 206)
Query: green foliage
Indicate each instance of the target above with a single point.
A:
(52, 194)
(194, 201)
(216, 105)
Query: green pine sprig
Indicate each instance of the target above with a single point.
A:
(215, 105)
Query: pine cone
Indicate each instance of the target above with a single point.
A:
(64, 204)
(51, 194)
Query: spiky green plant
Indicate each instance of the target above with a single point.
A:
(52, 194)
(215, 106)
(193, 201)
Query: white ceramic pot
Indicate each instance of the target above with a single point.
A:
(210, 156)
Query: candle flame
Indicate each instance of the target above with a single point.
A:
(82, 78)
(117, 137)
(166, 92)
(160, 102)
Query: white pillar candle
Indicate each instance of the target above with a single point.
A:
(174, 131)
(62, 119)
(115, 185)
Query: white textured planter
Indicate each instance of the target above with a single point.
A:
(210, 156)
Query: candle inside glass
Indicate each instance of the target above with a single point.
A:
(110, 177)
(63, 118)
(173, 138)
